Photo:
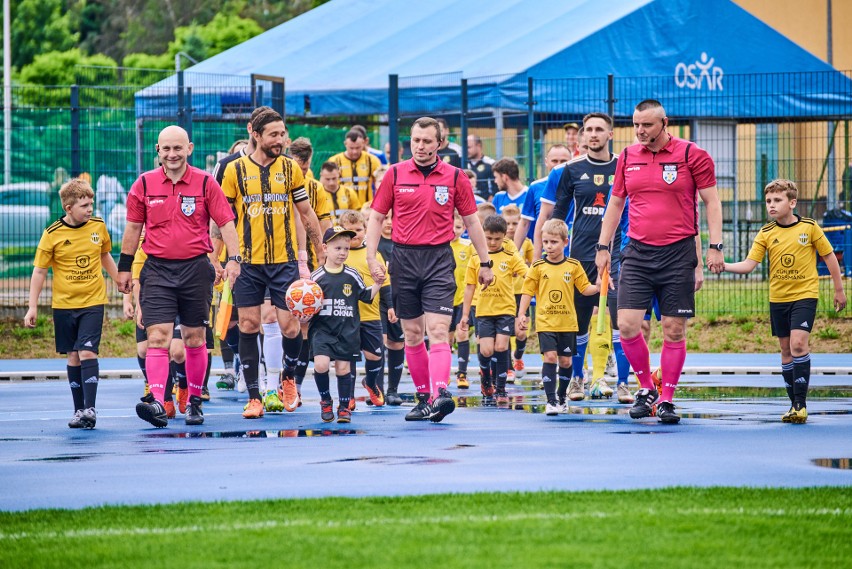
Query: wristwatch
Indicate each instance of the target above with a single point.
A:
(237, 258)
(600, 247)
(717, 246)
(487, 265)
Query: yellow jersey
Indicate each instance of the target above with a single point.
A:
(793, 251)
(139, 259)
(342, 200)
(509, 247)
(462, 250)
(370, 311)
(263, 199)
(499, 298)
(321, 204)
(74, 254)
(552, 285)
(358, 175)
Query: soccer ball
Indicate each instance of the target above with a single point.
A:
(304, 299)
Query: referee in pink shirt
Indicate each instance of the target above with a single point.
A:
(663, 177)
(423, 193)
(175, 203)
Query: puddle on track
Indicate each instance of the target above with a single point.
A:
(257, 434)
(391, 460)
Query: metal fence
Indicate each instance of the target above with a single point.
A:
(756, 128)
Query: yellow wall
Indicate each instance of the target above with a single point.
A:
(804, 22)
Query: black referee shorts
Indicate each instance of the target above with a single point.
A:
(667, 271)
(177, 288)
(422, 280)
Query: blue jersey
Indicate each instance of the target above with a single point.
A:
(548, 195)
(502, 199)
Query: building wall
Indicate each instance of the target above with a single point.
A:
(805, 23)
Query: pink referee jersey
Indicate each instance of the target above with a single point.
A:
(177, 215)
(423, 206)
(663, 189)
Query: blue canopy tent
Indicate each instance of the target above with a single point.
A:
(339, 55)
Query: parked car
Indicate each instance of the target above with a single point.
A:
(24, 213)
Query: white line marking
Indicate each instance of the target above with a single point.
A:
(283, 524)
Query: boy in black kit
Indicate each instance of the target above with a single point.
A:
(334, 332)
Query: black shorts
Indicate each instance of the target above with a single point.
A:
(666, 271)
(171, 289)
(392, 330)
(563, 343)
(78, 328)
(257, 282)
(335, 346)
(585, 305)
(423, 280)
(490, 326)
(371, 337)
(457, 314)
(796, 315)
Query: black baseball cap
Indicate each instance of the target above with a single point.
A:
(336, 231)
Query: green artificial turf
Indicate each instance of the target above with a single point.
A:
(670, 527)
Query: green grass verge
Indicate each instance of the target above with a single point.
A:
(671, 527)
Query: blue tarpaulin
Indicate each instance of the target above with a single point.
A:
(703, 58)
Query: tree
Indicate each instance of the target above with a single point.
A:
(40, 26)
(58, 69)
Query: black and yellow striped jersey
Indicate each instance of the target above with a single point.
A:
(74, 254)
(552, 285)
(321, 204)
(358, 175)
(264, 200)
(343, 199)
(793, 251)
(499, 298)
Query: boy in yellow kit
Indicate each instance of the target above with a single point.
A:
(552, 280)
(462, 251)
(512, 214)
(792, 243)
(77, 247)
(496, 307)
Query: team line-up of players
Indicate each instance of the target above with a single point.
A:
(312, 239)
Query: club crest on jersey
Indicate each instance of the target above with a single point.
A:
(480, 168)
(96, 238)
(347, 289)
(611, 179)
(279, 177)
(599, 179)
(442, 194)
(187, 205)
(669, 173)
(462, 255)
(504, 266)
(566, 276)
(803, 238)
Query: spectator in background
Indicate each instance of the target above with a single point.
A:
(449, 152)
(507, 177)
(481, 164)
(572, 132)
(400, 151)
(111, 204)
